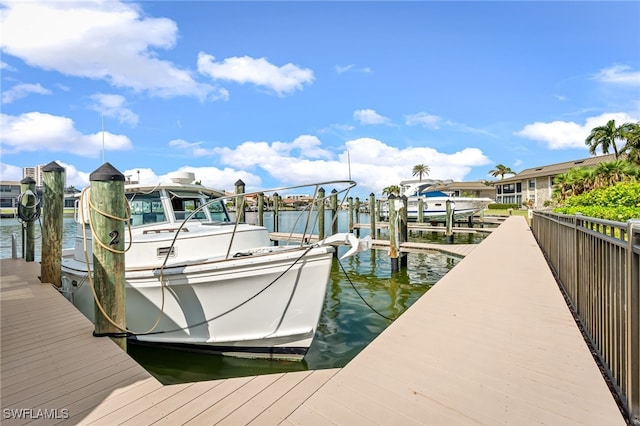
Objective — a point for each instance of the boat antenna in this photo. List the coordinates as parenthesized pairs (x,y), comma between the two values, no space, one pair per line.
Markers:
(102,119)
(349,162)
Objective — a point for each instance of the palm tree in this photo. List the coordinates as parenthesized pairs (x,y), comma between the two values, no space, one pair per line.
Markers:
(392,189)
(501,170)
(605,137)
(419,170)
(632,147)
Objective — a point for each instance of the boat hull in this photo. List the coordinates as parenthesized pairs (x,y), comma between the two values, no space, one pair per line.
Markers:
(258,306)
(435,208)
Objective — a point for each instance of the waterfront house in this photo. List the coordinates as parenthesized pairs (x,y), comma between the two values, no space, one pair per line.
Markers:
(536,183)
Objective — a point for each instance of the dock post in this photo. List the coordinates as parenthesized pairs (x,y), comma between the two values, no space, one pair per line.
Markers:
(276,213)
(52,221)
(357,208)
(334,216)
(350,203)
(449,222)
(321,194)
(393,240)
(28,214)
(240,201)
(261,209)
(107,215)
(334,212)
(420,211)
(404,228)
(372,215)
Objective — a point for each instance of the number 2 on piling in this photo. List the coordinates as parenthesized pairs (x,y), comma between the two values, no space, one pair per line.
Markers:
(114,237)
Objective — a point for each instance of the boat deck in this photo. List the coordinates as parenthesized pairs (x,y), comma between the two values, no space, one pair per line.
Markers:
(492,343)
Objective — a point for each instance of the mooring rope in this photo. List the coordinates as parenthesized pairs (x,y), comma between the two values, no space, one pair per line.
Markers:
(360,295)
(35,213)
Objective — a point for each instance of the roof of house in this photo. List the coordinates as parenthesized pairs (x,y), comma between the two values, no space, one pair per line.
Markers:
(469,186)
(554,169)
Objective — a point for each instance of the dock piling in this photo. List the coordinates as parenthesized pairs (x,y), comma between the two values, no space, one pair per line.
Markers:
(350,204)
(393,234)
(239,201)
(357,207)
(334,211)
(27,211)
(321,194)
(107,214)
(52,221)
(276,211)
(420,211)
(404,228)
(372,215)
(261,209)
(449,222)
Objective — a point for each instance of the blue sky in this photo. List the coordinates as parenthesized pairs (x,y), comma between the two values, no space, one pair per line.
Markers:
(286,93)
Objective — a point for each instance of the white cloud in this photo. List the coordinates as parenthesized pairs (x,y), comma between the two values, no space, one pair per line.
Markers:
(114,106)
(369,116)
(212,177)
(192,148)
(20,91)
(282,80)
(568,134)
(341,69)
(6,66)
(80,39)
(35,131)
(374,164)
(424,119)
(618,74)
(73,176)
(257,154)
(10,172)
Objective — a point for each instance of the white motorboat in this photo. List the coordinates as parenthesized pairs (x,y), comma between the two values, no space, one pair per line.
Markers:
(434,202)
(214,284)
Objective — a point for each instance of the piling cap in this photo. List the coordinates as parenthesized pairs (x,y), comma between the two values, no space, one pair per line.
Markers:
(239,182)
(53,167)
(27,181)
(106,173)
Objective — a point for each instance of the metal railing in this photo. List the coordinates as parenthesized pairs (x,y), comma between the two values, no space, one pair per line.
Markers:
(598,265)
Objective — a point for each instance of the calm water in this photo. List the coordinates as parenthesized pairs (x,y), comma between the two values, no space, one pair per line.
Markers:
(347,324)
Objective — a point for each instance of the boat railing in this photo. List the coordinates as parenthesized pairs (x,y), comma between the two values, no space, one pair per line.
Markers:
(304,215)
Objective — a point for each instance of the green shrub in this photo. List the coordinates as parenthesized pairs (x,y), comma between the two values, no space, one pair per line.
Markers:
(619,202)
(497,206)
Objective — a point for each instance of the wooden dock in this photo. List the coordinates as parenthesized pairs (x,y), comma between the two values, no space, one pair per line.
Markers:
(492,343)
(459,250)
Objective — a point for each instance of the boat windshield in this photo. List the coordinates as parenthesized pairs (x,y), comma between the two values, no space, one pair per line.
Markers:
(146,208)
(184,204)
(218,212)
